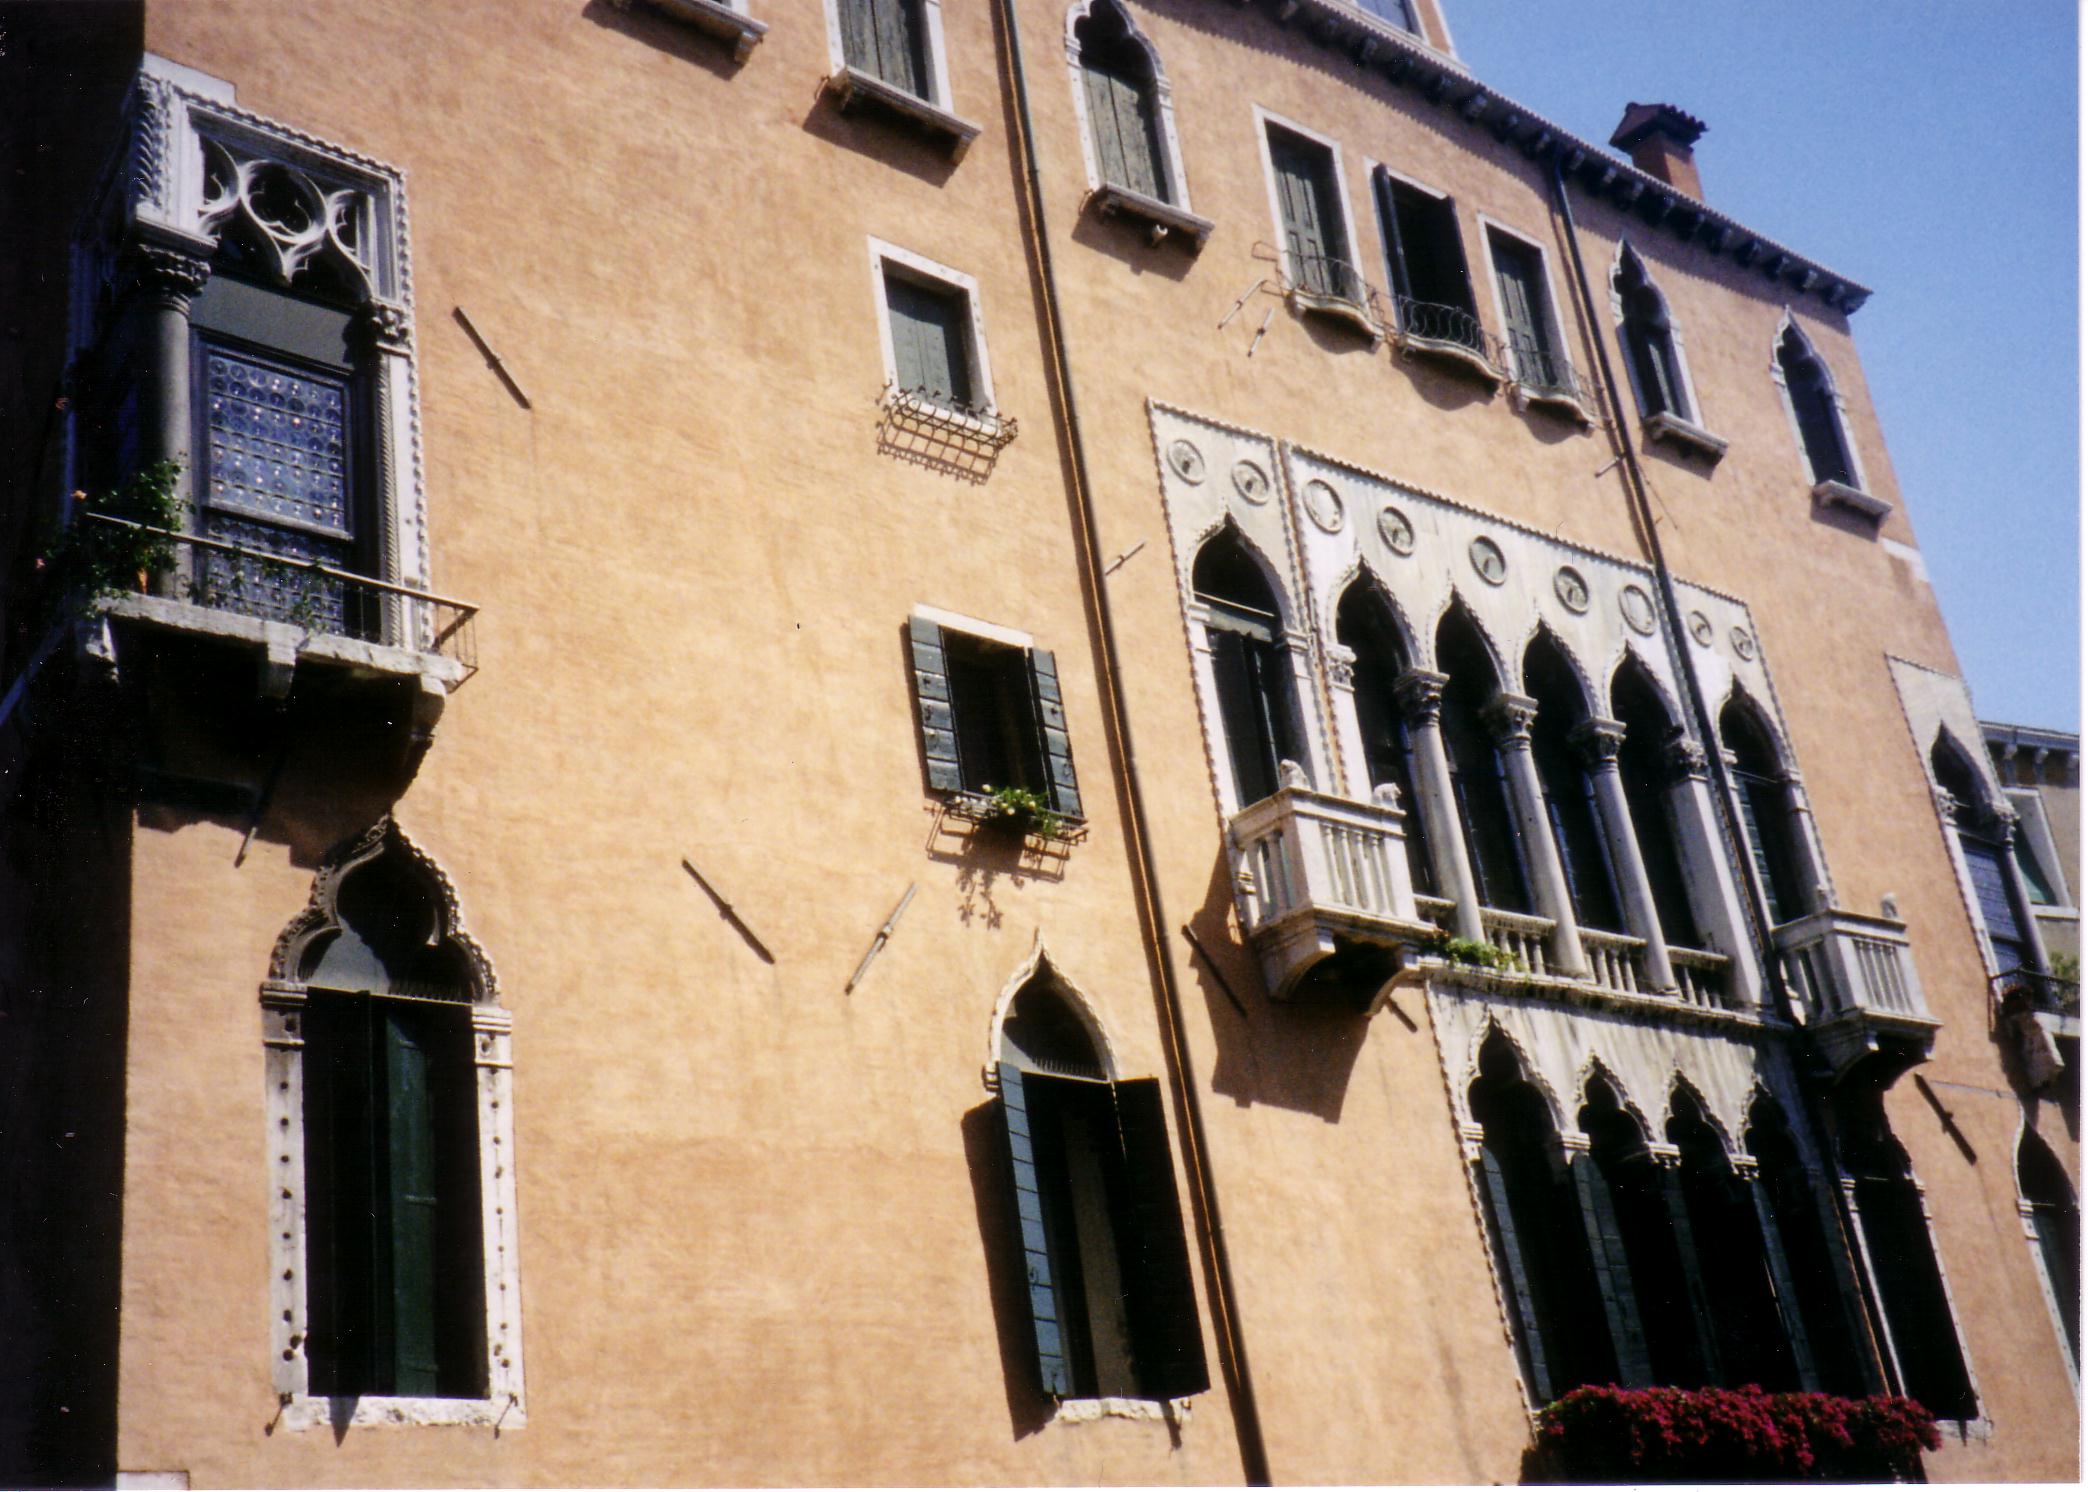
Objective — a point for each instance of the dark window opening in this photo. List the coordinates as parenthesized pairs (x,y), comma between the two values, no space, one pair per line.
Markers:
(1811,1248)
(1308,196)
(1112,1303)
(991,716)
(1723,1221)
(1257,705)
(1477,777)
(1426,256)
(2055,1219)
(1649,341)
(931,338)
(1361,625)
(1123,114)
(1765,813)
(1569,795)
(887,39)
(1643,1230)
(1819,419)
(1642,764)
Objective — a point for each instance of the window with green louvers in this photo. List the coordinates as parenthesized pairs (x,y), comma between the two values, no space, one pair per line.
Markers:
(1122,107)
(931,338)
(889,40)
(990,715)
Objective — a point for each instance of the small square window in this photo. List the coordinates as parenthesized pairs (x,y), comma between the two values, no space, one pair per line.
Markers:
(991,715)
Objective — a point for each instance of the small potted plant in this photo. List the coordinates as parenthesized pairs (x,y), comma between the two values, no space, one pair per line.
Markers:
(1020,811)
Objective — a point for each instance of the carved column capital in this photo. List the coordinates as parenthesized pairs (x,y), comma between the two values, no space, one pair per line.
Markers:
(1341,666)
(1687,759)
(1511,716)
(163,275)
(1598,741)
(1946,804)
(1420,695)
(385,326)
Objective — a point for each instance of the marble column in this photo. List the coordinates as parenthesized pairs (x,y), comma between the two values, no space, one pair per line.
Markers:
(1715,897)
(1511,716)
(1598,742)
(1420,693)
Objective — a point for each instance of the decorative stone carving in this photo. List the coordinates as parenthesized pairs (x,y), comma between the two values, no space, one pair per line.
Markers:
(1324,507)
(1186,460)
(1888,906)
(387,326)
(285,214)
(1743,643)
(1686,758)
(1572,589)
(1946,804)
(159,272)
(1488,561)
(1420,695)
(1386,795)
(1290,774)
(1395,530)
(1598,741)
(1637,608)
(1700,629)
(1251,482)
(1511,716)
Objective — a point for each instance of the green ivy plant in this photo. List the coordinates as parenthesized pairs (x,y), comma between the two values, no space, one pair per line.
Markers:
(1472,951)
(1020,809)
(89,561)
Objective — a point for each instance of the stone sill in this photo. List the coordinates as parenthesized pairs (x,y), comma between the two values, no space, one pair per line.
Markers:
(316,1411)
(1842,495)
(1668,1008)
(1677,431)
(1085,1411)
(1163,217)
(284,643)
(851,87)
(742,32)
(1453,355)
(1351,314)
(1557,401)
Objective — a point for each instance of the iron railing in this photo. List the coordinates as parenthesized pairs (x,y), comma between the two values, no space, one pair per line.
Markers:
(1549,375)
(1434,323)
(2037,993)
(1330,282)
(930,427)
(322,598)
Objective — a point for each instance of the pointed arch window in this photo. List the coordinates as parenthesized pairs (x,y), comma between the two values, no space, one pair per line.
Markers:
(1642,764)
(1812,1252)
(2052,1218)
(1752,1342)
(1765,812)
(1478,780)
(1649,342)
(1112,1303)
(1646,1241)
(1257,694)
(1987,857)
(392,1138)
(1123,110)
(1363,626)
(1569,798)
(1815,408)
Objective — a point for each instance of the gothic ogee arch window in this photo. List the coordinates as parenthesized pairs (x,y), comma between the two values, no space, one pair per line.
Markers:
(1799,1211)
(1984,839)
(1764,801)
(1363,624)
(1810,390)
(1569,802)
(2052,1219)
(392,1144)
(1257,694)
(1477,777)
(1112,1304)
(1642,764)
(1649,342)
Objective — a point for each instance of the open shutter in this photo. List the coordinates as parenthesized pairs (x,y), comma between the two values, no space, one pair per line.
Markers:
(1064,789)
(1053,1374)
(1166,1336)
(1509,1253)
(1758,848)
(410,1143)
(938,722)
(1395,238)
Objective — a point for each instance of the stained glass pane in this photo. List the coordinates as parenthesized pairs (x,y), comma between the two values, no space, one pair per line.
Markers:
(278,444)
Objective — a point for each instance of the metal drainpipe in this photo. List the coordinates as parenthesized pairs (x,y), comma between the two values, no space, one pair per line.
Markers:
(1246,1413)
(1635,492)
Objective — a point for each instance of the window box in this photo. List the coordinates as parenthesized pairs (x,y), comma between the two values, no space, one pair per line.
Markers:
(1833,494)
(1683,434)
(853,88)
(1110,200)
(1351,307)
(728,22)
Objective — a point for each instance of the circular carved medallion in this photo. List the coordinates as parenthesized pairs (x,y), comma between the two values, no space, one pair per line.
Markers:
(1488,560)
(1251,482)
(1572,589)
(1637,607)
(1394,529)
(1700,628)
(1323,506)
(1187,461)
(1743,643)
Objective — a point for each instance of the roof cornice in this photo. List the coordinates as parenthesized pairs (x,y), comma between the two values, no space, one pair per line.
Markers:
(1399,58)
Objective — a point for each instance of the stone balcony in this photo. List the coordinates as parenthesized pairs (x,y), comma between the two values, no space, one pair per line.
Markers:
(1324,894)
(1853,979)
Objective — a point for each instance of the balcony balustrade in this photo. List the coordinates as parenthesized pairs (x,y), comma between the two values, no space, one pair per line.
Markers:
(1854,981)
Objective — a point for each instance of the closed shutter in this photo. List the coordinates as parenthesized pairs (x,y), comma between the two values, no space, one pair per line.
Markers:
(1996,907)
(1120,115)
(884,38)
(1612,1270)
(1303,193)
(1063,787)
(1053,1373)
(938,723)
(1166,1336)
(1752,813)
(1522,308)
(410,1140)
(930,349)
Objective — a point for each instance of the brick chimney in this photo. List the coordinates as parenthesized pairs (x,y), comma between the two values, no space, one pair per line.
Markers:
(1660,138)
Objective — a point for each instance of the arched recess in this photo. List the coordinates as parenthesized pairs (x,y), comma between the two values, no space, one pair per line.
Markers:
(2052,1219)
(1253,667)
(1642,762)
(1647,1238)
(1367,625)
(395,1269)
(1592,879)
(1802,1214)
(1753,1342)
(1815,407)
(1478,778)
(1535,1228)
(1124,103)
(1762,793)
(1112,1306)
(1984,828)
(1653,353)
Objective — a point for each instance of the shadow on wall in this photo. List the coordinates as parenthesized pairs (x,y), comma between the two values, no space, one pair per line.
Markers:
(1296,1055)
(993,1195)
(656,31)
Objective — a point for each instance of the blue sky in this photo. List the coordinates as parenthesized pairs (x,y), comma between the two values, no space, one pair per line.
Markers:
(1930,152)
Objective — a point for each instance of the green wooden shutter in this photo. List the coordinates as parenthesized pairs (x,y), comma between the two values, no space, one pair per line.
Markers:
(1522,308)
(930,340)
(1388,197)
(938,722)
(886,39)
(859,35)
(1508,1253)
(410,1143)
(1997,910)
(1306,212)
(1063,787)
(1130,105)
(1758,849)
(1166,1335)
(1053,1373)
(1612,1271)
(1104,125)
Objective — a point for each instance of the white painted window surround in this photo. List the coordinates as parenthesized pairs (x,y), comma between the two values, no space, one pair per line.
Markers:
(1554,324)
(920,267)
(1859,498)
(1114,196)
(1694,430)
(1264,121)
(932,33)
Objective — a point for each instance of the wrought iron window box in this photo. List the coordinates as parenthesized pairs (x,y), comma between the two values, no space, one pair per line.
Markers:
(1854,981)
(982,811)
(1161,218)
(1451,336)
(736,28)
(1833,494)
(932,429)
(1684,434)
(853,88)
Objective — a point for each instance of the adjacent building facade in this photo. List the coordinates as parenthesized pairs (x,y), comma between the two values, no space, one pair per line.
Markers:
(979,741)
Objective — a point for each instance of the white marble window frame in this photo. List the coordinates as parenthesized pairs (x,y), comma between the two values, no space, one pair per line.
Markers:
(1694,429)
(1177,183)
(1859,497)
(1266,119)
(932,35)
(930,272)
